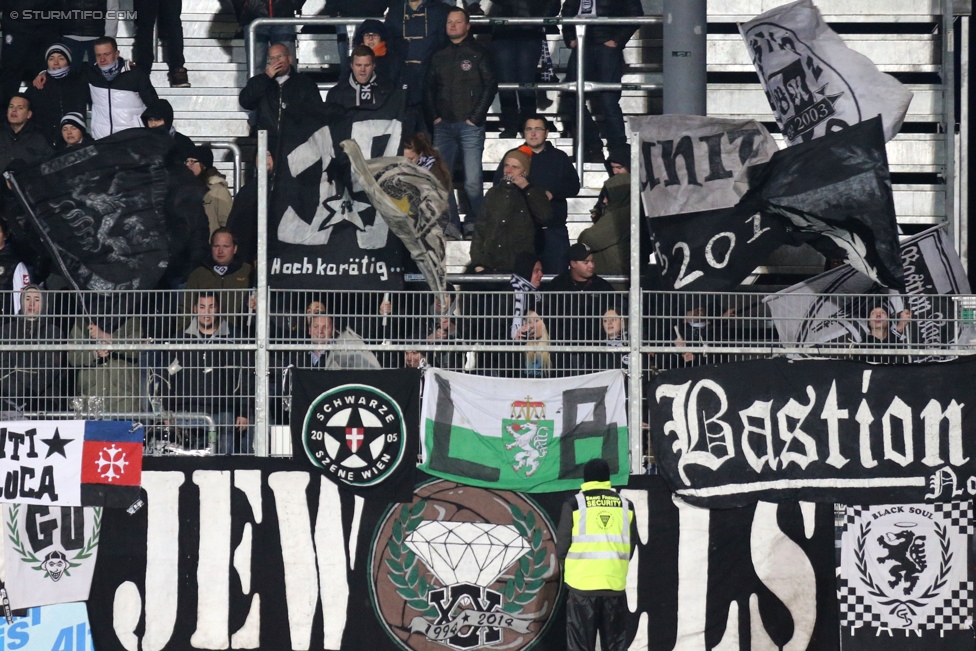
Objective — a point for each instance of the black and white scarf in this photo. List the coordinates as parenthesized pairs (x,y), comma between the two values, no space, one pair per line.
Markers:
(364,92)
(523,289)
(112,71)
(426,162)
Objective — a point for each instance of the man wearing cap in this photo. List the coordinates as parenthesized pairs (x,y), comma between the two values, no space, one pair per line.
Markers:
(73,131)
(511,213)
(66,91)
(554,174)
(595,541)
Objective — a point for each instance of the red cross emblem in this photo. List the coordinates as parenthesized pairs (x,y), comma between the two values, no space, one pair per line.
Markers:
(354,438)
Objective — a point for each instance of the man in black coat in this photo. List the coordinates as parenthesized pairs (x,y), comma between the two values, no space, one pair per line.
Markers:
(19,138)
(459,90)
(416,29)
(26,34)
(159,115)
(554,173)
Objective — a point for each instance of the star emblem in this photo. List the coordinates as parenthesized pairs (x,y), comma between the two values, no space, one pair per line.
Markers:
(353,436)
(55,444)
(345,208)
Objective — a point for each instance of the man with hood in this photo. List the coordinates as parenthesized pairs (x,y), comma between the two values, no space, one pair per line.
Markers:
(119,90)
(159,115)
(372,33)
(609,237)
(30,380)
(19,138)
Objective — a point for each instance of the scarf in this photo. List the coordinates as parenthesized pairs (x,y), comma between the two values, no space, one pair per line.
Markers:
(587,9)
(220,269)
(60,72)
(426,162)
(112,71)
(522,289)
(364,92)
(380,49)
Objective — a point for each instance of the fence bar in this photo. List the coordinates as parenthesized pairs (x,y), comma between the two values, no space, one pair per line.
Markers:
(236,153)
(261,412)
(635,334)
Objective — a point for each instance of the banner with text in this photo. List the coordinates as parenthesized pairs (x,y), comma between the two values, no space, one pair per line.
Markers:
(241,553)
(63,627)
(526,435)
(841,432)
(71,462)
(905,576)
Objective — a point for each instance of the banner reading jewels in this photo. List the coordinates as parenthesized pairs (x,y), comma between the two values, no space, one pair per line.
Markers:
(815,430)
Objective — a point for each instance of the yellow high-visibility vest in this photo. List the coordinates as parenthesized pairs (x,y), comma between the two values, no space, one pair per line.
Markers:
(600,550)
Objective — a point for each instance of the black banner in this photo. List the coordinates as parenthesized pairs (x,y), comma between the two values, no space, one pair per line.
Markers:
(359,428)
(287,561)
(825,431)
(716,249)
(100,209)
(323,231)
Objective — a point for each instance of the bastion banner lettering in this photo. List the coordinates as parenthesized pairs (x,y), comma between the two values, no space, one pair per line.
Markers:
(815,84)
(905,576)
(70,462)
(49,553)
(323,231)
(359,428)
(692,163)
(527,435)
(287,561)
(841,432)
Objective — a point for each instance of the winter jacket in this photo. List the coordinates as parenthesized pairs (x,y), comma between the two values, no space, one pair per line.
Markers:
(217,203)
(279,104)
(344,96)
(187,224)
(233,303)
(461,83)
(243,220)
(21,25)
(28,144)
(248,10)
(522,9)
(69,94)
(31,380)
(507,224)
(552,171)
(182,146)
(118,104)
(356,8)
(416,35)
(115,378)
(604,9)
(609,237)
(78,25)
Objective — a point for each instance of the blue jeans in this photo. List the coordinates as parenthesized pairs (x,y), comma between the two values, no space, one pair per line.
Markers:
(448,137)
(78,51)
(265,37)
(516,61)
(227,434)
(601,64)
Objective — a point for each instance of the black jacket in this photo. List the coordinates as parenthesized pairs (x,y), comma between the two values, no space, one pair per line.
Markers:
(522,9)
(461,83)
(248,10)
(31,380)
(29,145)
(552,171)
(604,9)
(78,24)
(277,104)
(356,8)
(343,96)
(416,36)
(69,94)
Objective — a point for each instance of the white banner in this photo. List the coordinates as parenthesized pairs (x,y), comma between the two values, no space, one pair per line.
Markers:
(815,84)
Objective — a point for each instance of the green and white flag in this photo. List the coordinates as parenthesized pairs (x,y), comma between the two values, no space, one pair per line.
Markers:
(531,436)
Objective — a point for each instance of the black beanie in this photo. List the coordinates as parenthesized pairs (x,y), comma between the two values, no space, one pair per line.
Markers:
(596,470)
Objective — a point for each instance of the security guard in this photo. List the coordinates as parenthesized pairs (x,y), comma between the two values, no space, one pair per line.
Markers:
(595,541)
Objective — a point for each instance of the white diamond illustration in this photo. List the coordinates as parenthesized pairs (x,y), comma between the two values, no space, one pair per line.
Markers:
(467,552)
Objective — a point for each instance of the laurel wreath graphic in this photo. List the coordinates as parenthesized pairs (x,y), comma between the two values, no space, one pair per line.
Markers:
(28,556)
(878,592)
(404,568)
(532,567)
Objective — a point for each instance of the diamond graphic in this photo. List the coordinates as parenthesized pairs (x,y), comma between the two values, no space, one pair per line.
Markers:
(467,552)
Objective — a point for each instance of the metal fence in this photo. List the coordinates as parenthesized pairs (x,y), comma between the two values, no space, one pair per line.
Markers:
(186,363)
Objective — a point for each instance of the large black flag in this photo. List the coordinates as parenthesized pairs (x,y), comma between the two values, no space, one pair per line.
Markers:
(359,428)
(714,250)
(323,231)
(99,210)
(837,190)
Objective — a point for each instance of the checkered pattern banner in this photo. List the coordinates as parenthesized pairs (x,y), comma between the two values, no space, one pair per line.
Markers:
(904,575)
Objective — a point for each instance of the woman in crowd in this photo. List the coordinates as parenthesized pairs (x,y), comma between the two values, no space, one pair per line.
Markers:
(217,203)
(510,215)
(66,91)
(418,150)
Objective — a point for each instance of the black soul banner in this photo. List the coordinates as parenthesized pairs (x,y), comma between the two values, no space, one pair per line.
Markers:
(828,431)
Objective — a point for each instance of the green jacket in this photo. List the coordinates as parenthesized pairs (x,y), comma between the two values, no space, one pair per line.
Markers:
(507,225)
(609,237)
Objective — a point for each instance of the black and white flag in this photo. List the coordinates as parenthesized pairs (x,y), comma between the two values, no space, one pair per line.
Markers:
(815,84)
(729,434)
(905,577)
(99,210)
(693,163)
(828,309)
(836,192)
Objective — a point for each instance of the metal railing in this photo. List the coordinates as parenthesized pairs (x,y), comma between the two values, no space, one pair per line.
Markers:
(236,157)
(580,86)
